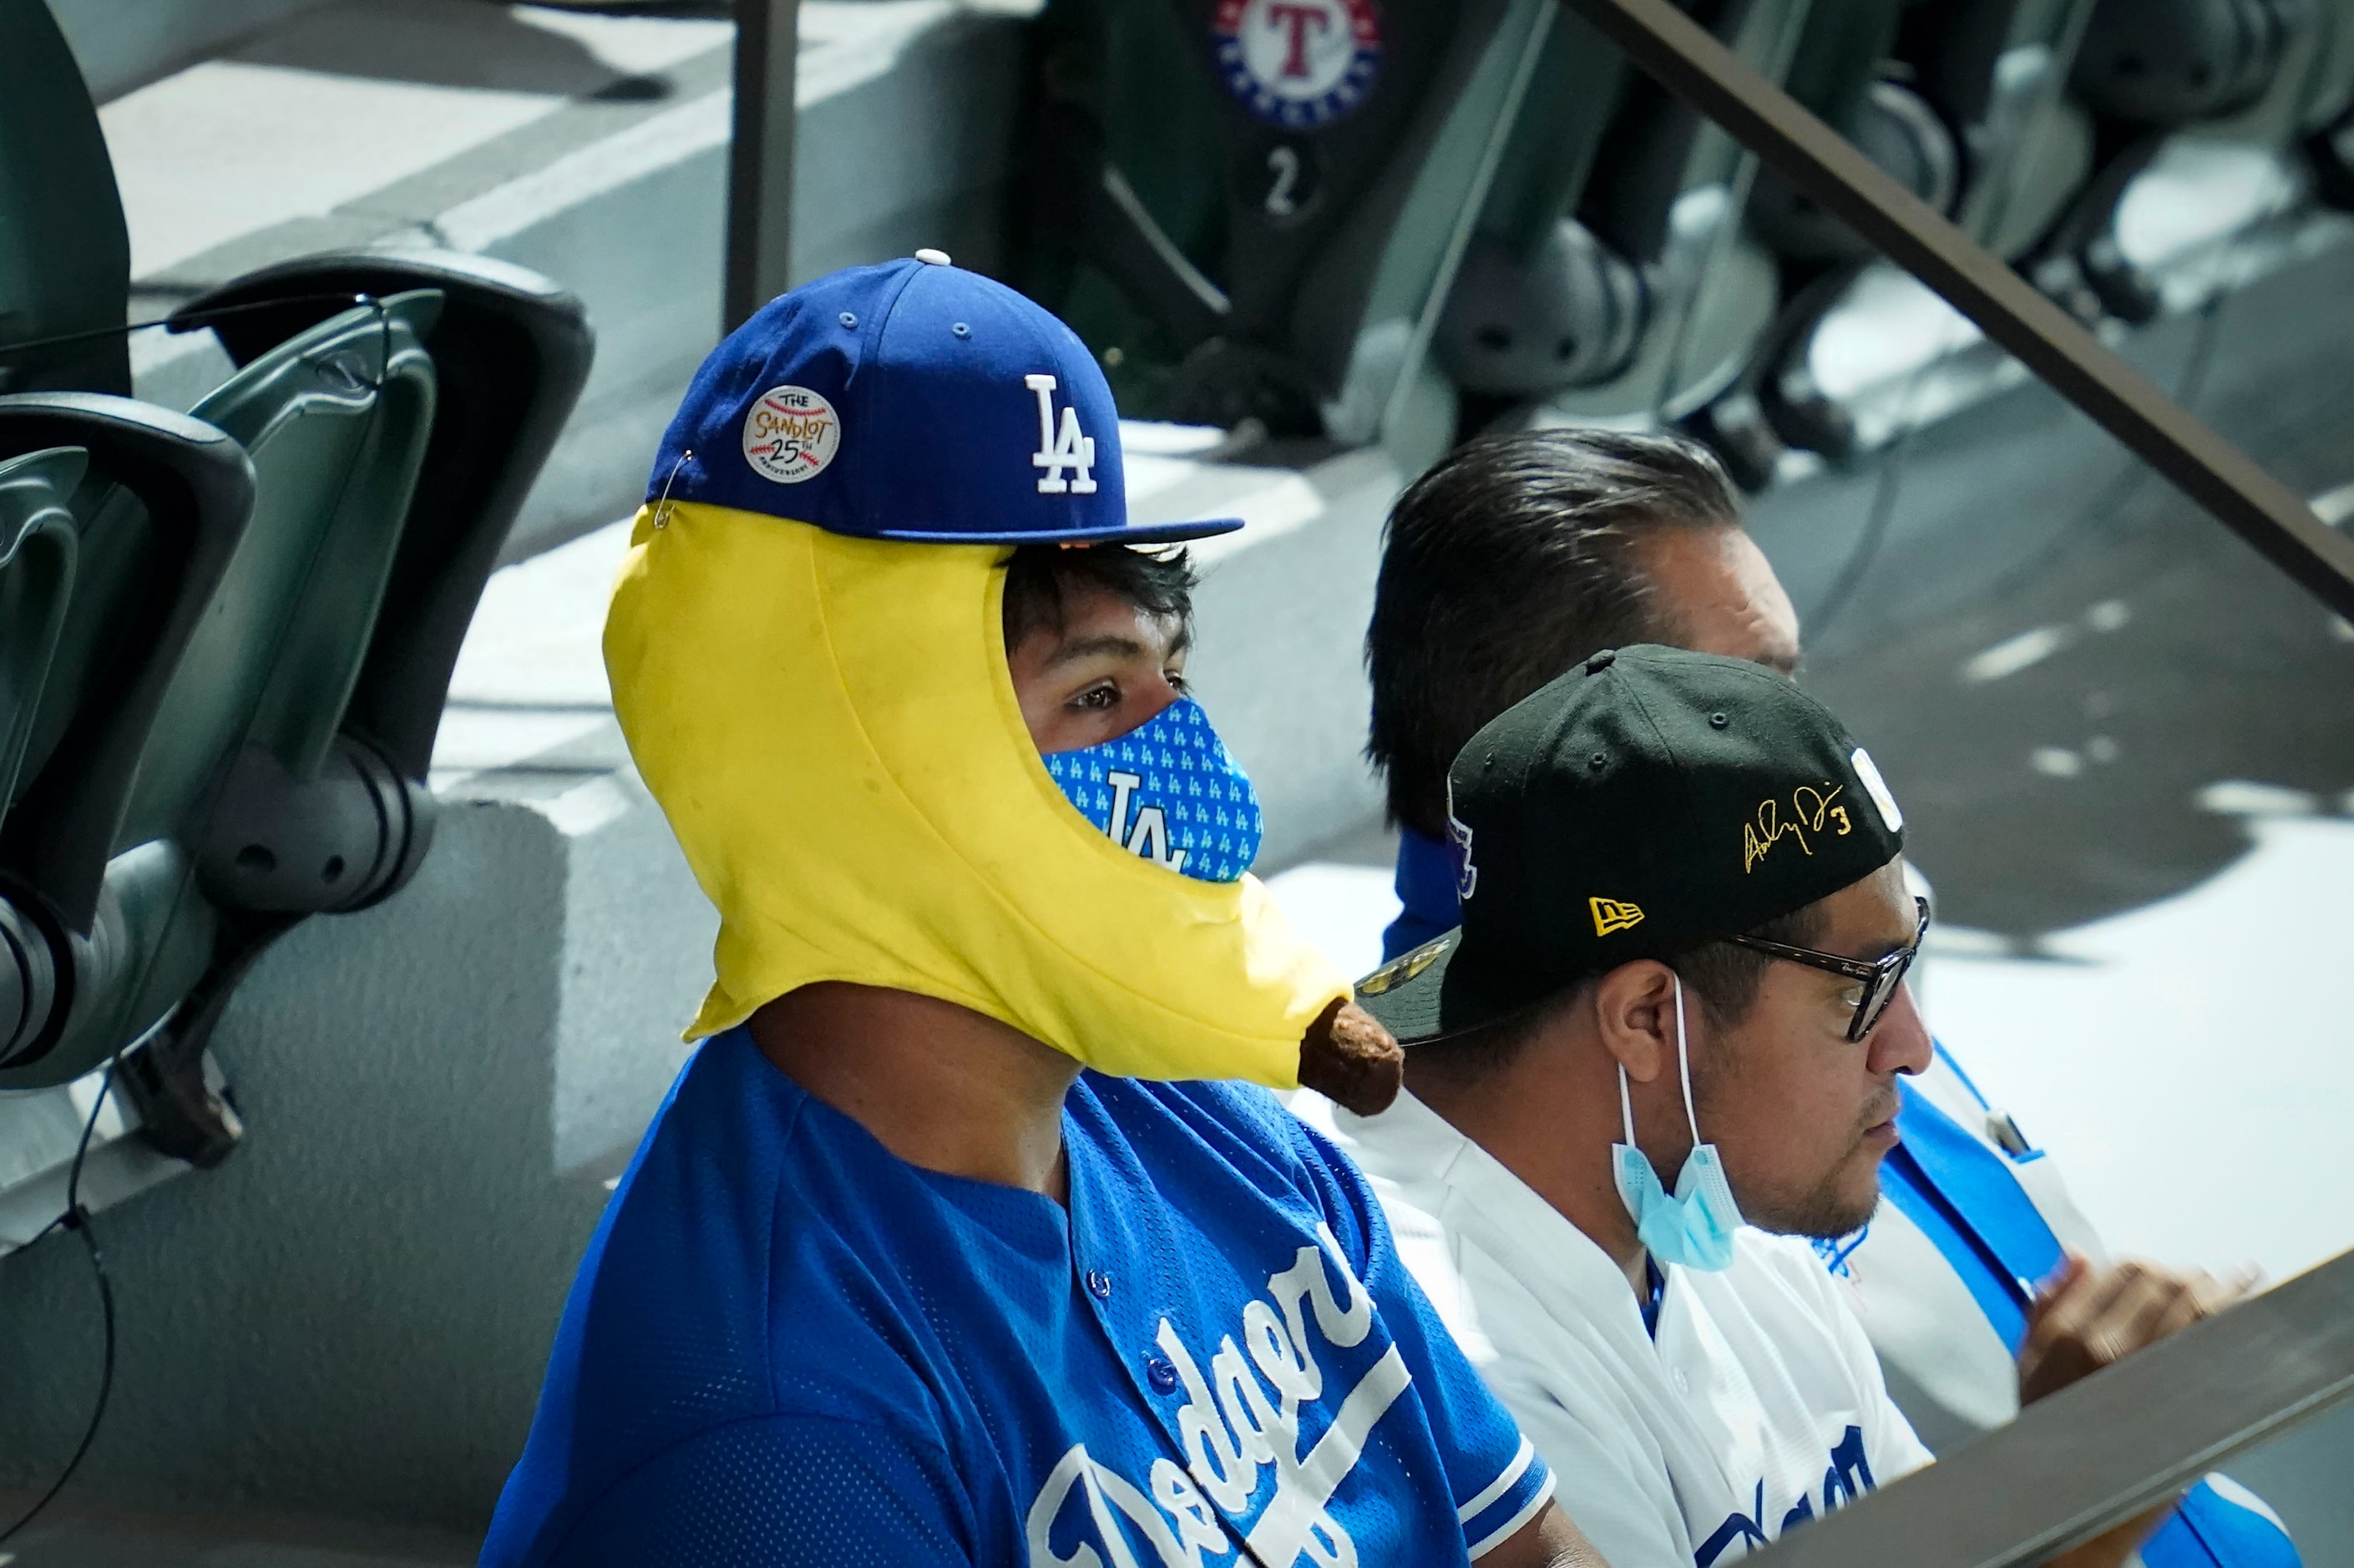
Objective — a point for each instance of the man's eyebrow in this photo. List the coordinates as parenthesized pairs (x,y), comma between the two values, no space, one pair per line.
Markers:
(1117,645)
(1092,647)
(1879,950)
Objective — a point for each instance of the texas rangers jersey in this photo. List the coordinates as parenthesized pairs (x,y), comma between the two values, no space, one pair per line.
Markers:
(787,1346)
(1758,1405)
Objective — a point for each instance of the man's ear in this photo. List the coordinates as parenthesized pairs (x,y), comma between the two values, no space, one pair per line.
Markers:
(1634,1011)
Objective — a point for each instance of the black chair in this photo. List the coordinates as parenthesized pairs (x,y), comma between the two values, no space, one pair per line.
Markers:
(235,719)
(157,519)
(65,255)
(1610,278)
(2148,70)
(276,763)
(1250,225)
(1963,103)
(39,540)
(159,914)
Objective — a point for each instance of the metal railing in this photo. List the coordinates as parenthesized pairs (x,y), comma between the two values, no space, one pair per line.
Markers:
(2119,1443)
(2213,473)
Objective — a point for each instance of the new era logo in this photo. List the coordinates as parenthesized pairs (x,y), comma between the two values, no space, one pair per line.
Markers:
(1610,914)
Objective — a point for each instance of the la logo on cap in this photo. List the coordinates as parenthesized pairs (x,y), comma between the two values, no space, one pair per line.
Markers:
(1068,446)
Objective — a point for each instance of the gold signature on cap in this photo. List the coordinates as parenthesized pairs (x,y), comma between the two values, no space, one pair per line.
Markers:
(1809,809)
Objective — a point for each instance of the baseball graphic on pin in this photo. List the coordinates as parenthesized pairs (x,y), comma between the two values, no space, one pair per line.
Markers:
(791,433)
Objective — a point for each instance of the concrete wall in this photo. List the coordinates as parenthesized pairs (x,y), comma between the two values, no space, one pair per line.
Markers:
(907,114)
(353,1313)
(902,143)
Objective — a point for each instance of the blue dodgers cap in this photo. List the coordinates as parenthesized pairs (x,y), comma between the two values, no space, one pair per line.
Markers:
(911,400)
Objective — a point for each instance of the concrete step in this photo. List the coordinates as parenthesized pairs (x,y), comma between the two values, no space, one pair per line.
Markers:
(71,1533)
(589,147)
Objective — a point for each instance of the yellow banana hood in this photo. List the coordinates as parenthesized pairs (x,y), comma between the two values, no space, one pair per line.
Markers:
(829,724)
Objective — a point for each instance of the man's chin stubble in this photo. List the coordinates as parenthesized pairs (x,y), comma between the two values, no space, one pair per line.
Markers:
(1823,1214)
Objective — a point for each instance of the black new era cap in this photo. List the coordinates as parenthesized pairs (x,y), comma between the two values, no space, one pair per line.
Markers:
(1648,801)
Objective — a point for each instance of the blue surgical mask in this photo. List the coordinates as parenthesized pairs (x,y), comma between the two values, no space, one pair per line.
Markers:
(1166,790)
(1694,1227)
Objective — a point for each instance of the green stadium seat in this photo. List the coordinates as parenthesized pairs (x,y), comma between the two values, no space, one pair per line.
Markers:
(1610,278)
(1234,254)
(38,541)
(226,720)
(157,518)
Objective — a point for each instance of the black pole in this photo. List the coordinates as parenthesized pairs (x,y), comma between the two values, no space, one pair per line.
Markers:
(760,157)
(1702,72)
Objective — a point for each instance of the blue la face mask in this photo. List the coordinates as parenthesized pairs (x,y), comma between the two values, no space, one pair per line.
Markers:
(1694,1227)
(1168,791)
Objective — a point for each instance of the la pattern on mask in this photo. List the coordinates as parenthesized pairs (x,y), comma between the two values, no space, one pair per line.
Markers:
(1168,791)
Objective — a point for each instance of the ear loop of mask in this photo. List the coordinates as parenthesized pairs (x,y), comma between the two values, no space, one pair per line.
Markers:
(1695,1227)
(1684,1072)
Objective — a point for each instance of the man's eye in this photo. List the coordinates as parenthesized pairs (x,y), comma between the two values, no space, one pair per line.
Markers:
(1176,679)
(1098,699)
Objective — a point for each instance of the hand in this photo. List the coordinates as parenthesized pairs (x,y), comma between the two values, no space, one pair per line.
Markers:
(2085,1318)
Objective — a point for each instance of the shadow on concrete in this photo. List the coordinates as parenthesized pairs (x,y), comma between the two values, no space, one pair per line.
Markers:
(2052,654)
(708,10)
(449,43)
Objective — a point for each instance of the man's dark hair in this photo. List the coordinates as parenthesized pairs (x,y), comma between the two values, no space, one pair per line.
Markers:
(1720,978)
(1039,577)
(1507,562)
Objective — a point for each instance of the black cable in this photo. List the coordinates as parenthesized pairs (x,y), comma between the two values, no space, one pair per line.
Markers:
(2133,473)
(77,1218)
(2187,392)
(2111,498)
(1866,549)
(188,321)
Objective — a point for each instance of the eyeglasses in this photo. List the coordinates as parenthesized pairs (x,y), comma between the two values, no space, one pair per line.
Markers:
(1880,977)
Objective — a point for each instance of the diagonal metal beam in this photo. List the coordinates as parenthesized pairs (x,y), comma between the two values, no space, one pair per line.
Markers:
(2213,473)
(2111,1447)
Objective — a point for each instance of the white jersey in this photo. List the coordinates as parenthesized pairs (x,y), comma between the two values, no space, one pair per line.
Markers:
(1758,1405)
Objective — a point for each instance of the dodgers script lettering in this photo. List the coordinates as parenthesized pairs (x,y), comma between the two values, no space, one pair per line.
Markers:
(1241,1417)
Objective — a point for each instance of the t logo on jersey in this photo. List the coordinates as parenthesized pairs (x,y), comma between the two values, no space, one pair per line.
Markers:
(1061,446)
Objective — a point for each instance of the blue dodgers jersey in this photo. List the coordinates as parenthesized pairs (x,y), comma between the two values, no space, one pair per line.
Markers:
(787,1346)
